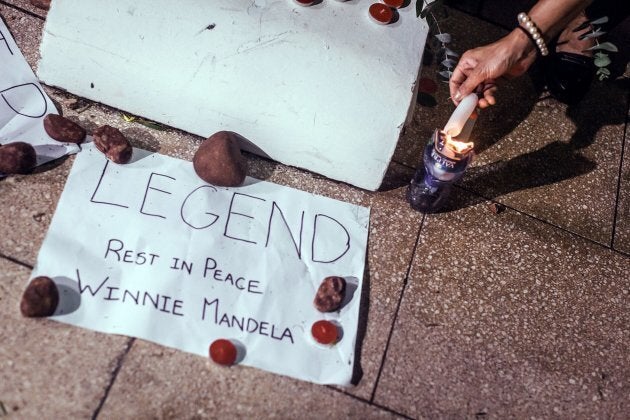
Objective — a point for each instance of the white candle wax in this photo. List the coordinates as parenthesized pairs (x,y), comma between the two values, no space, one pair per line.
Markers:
(461,114)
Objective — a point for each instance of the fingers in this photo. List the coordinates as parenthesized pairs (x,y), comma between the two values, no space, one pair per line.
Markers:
(472,75)
(474,81)
(457,78)
(488,95)
(488,98)
(464,81)
(460,74)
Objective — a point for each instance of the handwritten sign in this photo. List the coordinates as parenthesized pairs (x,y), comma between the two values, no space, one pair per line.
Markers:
(151,251)
(23,103)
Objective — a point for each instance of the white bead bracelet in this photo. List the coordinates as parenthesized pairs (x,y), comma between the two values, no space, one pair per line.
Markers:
(528,26)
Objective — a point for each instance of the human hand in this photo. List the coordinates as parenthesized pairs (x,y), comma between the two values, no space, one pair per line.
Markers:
(480,68)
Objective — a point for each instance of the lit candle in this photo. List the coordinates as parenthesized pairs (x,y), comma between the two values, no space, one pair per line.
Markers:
(381,13)
(461,114)
(394,3)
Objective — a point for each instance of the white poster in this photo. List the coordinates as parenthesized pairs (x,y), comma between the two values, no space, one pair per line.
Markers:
(149,250)
(24,104)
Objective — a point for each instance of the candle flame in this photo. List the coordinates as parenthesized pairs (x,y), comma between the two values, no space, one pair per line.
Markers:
(457,146)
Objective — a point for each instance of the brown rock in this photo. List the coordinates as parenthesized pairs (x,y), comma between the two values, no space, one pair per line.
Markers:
(17,158)
(113,144)
(330,294)
(218,160)
(40,298)
(42,4)
(64,130)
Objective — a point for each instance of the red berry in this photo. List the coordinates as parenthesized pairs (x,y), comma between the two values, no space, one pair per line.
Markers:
(223,352)
(325,332)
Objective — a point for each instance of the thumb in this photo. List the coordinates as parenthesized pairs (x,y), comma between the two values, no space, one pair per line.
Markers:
(473,80)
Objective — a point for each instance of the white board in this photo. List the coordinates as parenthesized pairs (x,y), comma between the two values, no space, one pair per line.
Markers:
(322,87)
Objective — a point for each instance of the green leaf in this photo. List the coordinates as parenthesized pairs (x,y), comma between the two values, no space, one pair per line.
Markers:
(448,63)
(147,123)
(597,32)
(588,23)
(428,7)
(419,4)
(151,124)
(444,38)
(450,53)
(607,46)
(602,60)
(445,75)
(599,21)
(603,71)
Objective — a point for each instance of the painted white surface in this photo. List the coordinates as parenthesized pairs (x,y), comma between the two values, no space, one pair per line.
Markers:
(322,87)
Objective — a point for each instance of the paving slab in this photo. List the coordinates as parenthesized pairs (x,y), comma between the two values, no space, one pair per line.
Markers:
(555,162)
(31,199)
(26,30)
(26,7)
(621,240)
(561,164)
(507,317)
(49,370)
(29,202)
(156,382)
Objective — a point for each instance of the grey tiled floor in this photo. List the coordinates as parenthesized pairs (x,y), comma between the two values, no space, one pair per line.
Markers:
(466,313)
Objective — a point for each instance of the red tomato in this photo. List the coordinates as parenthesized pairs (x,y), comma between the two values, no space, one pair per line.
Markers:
(325,332)
(223,352)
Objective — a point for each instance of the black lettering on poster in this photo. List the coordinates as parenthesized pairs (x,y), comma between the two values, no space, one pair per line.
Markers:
(297,244)
(16,96)
(98,185)
(6,43)
(149,187)
(184,210)
(317,223)
(232,212)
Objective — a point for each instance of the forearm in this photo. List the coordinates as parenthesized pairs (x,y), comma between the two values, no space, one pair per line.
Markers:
(512,55)
(552,16)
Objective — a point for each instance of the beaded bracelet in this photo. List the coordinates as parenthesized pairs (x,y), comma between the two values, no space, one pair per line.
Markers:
(532,31)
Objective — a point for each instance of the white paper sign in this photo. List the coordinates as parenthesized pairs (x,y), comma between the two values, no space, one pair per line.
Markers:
(24,104)
(151,251)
